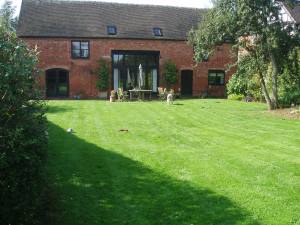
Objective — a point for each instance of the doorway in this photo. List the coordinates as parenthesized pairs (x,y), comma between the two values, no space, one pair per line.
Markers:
(57,83)
(187,82)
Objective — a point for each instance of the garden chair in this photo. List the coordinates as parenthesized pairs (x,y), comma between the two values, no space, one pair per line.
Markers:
(162,94)
(122,95)
(125,95)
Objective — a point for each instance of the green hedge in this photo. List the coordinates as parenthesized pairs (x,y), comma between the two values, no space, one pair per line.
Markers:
(23,135)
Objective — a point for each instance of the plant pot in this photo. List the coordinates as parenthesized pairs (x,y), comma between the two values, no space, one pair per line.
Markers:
(112,99)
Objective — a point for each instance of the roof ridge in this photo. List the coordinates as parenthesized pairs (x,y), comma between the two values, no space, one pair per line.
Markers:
(120,3)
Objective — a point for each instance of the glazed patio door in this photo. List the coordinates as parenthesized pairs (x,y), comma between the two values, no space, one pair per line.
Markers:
(126,69)
(57,83)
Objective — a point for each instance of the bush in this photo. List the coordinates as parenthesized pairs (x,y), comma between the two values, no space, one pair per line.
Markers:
(237,85)
(22,133)
(103,75)
(289,96)
(244,84)
(289,81)
(236,97)
(170,73)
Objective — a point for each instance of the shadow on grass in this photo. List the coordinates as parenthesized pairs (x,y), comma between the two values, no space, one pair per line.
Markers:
(58,109)
(98,186)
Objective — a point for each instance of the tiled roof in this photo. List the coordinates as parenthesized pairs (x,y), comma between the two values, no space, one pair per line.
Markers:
(62,18)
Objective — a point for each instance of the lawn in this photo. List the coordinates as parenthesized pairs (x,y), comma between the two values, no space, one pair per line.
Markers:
(196,162)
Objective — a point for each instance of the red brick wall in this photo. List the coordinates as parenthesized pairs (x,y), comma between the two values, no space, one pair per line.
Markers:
(56,53)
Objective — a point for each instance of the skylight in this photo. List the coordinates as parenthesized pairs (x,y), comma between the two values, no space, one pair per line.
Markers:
(157,32)
(111,30)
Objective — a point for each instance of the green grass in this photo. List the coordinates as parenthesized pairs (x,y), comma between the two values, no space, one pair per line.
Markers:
(195,162)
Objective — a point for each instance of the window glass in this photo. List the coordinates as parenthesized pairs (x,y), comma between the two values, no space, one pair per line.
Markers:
(76,53)
(84,45)
(84,53)
(76,45)
(154,80)
(216,77)
(116,58)
(127,64)
(130,60)
(220,78)
(80,49)
(111,30)
(116,79)
(157,32)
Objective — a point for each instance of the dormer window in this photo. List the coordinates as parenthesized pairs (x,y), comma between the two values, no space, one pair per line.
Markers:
(111,30)
(157,32)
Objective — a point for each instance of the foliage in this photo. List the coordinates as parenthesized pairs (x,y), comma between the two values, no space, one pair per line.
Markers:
(22,132)
(103,75)
(236,97)
(237,85)
(6,16)
(170,73)
(254,26)
(245,82)
(289,84)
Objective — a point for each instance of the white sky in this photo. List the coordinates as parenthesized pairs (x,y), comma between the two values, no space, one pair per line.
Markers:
(182,3)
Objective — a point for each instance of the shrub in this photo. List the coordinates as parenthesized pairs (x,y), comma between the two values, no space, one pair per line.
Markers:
(289,81)
(244,84)
(236,97)
(237,85)
(22,133)
(170,73)
(103,75)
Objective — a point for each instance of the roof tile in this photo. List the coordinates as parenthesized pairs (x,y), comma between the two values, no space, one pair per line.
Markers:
(61,18)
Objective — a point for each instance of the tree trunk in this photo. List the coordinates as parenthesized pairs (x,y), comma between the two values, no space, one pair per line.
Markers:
(265,91)
(274,81)
(263,85)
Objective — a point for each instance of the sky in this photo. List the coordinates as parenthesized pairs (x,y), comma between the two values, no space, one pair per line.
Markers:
(181,3)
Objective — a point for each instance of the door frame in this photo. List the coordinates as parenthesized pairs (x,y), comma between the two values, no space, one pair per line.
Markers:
(57,70)
(192,82)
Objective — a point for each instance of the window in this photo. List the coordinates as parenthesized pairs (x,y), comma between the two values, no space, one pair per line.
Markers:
(80,49)
(127,73)
(157,32)
(216,77)
(111,30)
(205,57)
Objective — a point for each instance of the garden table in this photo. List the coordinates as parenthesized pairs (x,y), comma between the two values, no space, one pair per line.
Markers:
(140,93)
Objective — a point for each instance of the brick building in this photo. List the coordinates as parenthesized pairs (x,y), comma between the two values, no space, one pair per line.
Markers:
(72,36)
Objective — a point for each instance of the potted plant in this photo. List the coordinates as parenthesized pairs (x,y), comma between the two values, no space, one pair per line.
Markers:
(170,73)
(112,97)
(103,78)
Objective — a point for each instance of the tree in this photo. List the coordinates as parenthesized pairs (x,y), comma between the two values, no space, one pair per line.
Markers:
(23,136)
(170,73)
(252,25)
(6,16)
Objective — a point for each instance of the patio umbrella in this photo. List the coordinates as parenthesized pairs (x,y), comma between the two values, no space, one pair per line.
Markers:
(141,80)
(129,81)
